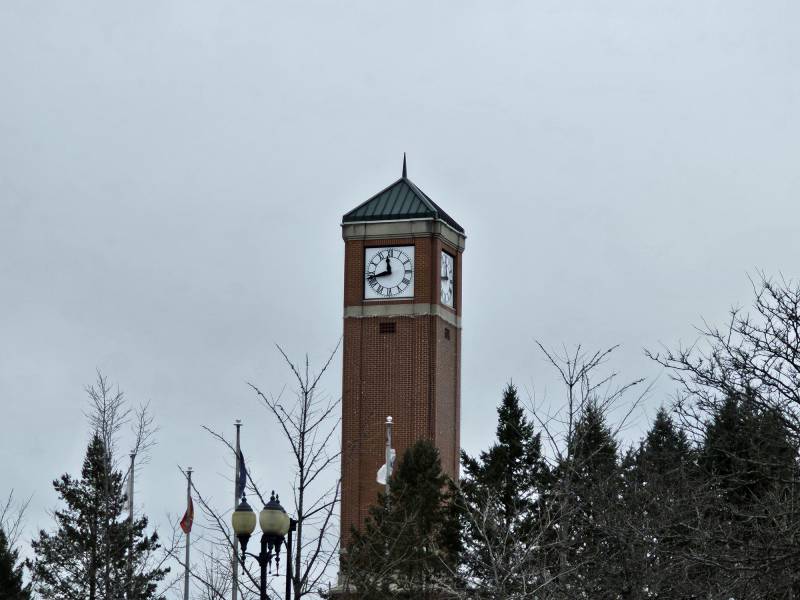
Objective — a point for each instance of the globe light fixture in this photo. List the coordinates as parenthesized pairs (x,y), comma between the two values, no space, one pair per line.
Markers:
(244,522)
(273,518)
(275,525)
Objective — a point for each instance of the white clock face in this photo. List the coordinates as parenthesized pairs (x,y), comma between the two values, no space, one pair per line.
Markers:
(389,272)
(447,280)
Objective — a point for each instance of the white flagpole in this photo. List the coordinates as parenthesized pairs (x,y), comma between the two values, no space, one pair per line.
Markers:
(130,526)
(235,561)
(188,534)
(388,453)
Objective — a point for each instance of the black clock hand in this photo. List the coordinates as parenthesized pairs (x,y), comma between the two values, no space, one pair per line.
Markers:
(388,270)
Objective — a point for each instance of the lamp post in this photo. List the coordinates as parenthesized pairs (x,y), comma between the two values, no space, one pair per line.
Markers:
(292,528)
(275,524)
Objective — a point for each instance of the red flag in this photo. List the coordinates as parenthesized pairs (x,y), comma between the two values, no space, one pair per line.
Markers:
(188,517)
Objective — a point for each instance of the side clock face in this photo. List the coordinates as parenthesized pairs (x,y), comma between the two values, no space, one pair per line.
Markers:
(389,272)
(447,280)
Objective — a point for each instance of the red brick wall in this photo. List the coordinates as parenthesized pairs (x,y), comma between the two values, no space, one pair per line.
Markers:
(412,375)
(447,408)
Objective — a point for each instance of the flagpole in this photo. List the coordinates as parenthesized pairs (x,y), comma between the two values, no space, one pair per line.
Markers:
(188,534)
(130,527)
(235,560)
(388,454)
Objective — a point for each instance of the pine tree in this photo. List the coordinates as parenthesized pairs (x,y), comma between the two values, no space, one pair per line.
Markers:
(740,389)
(513,469)
(747,452)
(410,541)
(592,449)
(749,523)
(657,499)
(86,557)
(586,494)
(499,501)
(11,584)
(664,450)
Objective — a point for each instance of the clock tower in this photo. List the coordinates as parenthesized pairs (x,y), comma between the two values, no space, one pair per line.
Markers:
(402,337)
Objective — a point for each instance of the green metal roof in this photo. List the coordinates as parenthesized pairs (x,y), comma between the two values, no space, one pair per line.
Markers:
(401,200)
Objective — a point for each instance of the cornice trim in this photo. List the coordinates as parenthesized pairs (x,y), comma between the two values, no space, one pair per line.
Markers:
(417,309)
(405,228)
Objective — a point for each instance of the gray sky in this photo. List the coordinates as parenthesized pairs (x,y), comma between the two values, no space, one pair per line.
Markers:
(172,177)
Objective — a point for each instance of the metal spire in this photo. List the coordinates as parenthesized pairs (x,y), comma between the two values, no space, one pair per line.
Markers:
(405,171)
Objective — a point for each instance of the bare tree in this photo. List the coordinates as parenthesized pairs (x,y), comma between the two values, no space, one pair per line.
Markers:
(514,564)
(581,504)
(310,426)
(109,414)
(583,384)
(309,422)
(12,518)
(756,353)
(745,376)
(211,575)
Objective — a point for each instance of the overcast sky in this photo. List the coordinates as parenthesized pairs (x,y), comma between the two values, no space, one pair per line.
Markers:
(173,175)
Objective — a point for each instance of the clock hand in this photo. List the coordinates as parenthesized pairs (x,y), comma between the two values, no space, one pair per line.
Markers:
(388,270)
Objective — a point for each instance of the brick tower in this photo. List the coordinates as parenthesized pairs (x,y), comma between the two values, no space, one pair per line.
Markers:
(402,337)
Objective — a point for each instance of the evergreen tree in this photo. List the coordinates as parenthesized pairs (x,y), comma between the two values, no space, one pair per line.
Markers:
(592,452)
(658,502)
(658,476)
(747,451)
(664,450)
(499,501)
(513,469)
(410,541)
(86,558)
(591,551)
(747,503)
(11,585)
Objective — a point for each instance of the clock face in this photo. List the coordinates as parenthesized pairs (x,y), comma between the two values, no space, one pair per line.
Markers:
(447,280)
(389,272)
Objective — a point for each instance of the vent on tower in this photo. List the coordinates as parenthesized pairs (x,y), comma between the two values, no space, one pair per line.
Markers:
(447,333)
(386,327)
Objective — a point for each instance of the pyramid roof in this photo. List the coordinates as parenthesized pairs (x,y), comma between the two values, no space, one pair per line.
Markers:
(401,200)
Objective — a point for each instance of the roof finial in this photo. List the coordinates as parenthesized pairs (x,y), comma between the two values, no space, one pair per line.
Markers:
(405,171)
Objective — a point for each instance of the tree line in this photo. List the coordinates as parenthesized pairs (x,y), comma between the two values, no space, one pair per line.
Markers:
(705,505)
(100,548)
(97,550)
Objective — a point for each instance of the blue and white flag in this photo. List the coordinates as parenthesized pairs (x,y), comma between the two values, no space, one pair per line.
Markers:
(241,476)
(386,470)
